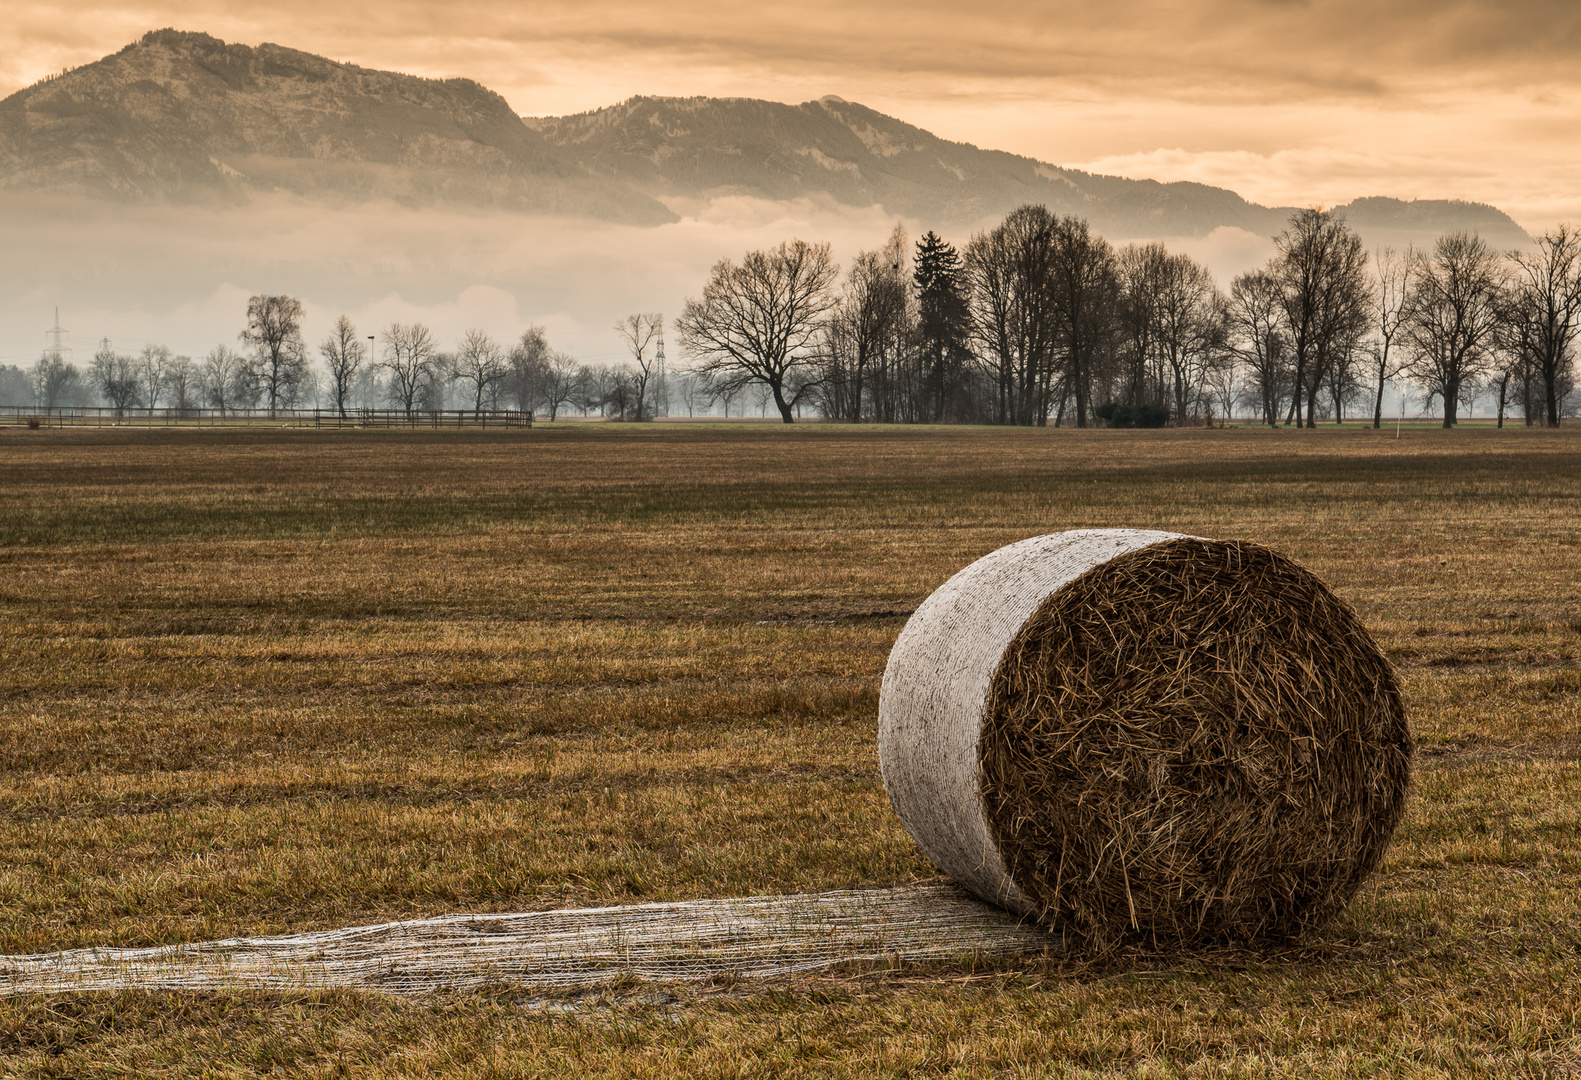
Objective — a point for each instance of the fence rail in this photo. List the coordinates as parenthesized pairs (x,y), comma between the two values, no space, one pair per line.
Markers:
(104,416)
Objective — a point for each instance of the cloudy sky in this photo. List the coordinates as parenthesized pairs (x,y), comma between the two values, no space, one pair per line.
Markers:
(1285,101)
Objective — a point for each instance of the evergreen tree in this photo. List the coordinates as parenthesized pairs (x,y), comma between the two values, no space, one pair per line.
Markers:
(943,318)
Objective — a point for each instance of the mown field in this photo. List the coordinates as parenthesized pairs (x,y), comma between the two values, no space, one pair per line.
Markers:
(264,681)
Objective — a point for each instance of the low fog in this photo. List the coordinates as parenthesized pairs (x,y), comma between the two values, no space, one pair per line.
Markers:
(181,276)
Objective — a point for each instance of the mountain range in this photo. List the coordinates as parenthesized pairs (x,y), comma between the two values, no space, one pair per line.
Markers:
(184,118)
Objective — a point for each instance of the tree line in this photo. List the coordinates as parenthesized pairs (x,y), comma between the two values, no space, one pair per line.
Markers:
(403,367)
(1037,321)
(1042,321)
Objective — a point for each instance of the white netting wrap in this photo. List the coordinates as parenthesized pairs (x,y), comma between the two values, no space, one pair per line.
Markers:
(694,939)
(935,691)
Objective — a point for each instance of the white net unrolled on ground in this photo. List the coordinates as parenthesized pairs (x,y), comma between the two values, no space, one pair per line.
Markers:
(694,939)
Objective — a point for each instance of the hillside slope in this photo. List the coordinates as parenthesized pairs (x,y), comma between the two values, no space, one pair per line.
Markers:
(703,147)
(187,118)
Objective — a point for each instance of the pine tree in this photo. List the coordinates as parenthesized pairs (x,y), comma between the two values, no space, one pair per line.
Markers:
(943,317)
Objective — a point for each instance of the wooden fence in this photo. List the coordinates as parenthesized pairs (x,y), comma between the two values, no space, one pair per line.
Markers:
(104,416)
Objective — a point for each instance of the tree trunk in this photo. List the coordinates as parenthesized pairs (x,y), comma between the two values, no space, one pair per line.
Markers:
(1300,387)
(780,403)
(1377,406)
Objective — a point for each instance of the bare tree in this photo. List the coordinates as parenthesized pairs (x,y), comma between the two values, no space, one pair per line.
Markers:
(1454,316)
(1140,269)
(1391,314)
(724,392)
(1323,267)
(433,391)
(1548,284)
(16,385)
(115,376)
(529,363)
(181,380)
(1512,359)
(1515,351)
(52,379)
(560,383)
(1256,313)
(224,379)
(480,363)
(1013,319)
(861,327)
(151,365)
(411,358)
(1222,385)
(274,334)
(693,391)
(370,388)
(594,385)
(343,353)
(1346,383)
(1085,289)
(639,331)
(619,399)
(1189,317)
(757,321)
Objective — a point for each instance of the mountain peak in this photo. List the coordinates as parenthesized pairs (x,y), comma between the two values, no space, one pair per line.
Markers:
(185,117)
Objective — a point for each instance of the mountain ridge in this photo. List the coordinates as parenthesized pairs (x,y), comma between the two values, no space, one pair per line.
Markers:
(183,117)
(861,157)
(859,153)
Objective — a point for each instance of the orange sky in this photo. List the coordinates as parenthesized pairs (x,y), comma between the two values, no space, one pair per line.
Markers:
(1285,101)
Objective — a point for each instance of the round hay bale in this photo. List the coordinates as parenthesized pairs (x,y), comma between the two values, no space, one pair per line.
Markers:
(1135,735)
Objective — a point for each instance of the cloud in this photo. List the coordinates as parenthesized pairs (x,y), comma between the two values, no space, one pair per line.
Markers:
(1513,149)
(546,54)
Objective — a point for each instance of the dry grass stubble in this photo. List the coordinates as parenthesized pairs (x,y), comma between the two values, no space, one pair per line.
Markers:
(264,681)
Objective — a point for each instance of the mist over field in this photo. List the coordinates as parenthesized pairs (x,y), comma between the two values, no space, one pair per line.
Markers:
(181,276)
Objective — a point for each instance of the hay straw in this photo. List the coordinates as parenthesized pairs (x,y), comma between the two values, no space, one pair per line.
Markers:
(1187,741)
(751,937)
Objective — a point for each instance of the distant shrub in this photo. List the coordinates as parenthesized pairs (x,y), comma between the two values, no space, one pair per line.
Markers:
(1117,415)
(33,423)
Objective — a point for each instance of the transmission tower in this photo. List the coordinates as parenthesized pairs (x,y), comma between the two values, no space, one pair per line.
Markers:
(57,349)
(661,393)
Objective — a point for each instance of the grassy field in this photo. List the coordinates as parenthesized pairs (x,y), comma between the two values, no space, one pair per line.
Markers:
(259,681)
